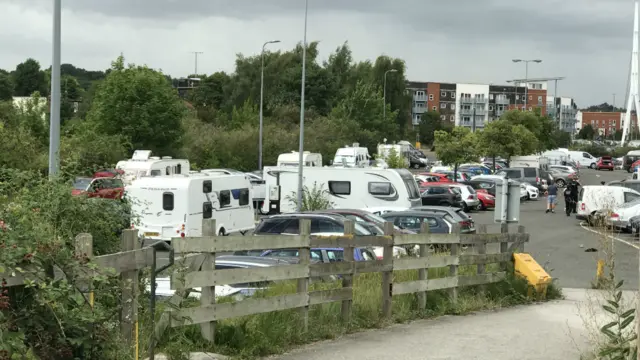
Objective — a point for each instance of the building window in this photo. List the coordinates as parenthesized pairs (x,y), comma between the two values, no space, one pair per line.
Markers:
(418,117)
(614,123)
(517,97)
(443,94)
(434,108)
(539,99)
(419,93)
(529,108)
(443,117)
(490,96)
(453,95)
(490,108)
(420,104)
(452,118)
(443,106)
(430,97)
(466,119)
(530,97)
(453,106)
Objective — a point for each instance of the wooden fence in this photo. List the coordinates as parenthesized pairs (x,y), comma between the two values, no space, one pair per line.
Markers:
(202,273)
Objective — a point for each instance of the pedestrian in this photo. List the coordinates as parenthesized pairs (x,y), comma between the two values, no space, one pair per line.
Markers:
(552,192)
(568,201)
(602,183)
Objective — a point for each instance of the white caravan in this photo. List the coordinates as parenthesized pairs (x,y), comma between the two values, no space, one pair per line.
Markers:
(143,164)
(536,161)
(402,151)
(258,188)
(352,188)
(293,159)
(174,206)
(352,156)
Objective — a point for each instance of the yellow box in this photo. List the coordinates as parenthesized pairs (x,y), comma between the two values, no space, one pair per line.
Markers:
(528,268)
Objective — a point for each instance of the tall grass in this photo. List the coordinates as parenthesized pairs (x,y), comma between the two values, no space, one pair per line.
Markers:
(271,333)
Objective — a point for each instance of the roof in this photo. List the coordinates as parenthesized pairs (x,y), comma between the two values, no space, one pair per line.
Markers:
(305,215)
(345,211)
(409,213)
(250,261)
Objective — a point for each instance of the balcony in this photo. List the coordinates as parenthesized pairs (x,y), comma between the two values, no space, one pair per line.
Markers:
(419,97)
(469,112)
(502,101)
(420,109)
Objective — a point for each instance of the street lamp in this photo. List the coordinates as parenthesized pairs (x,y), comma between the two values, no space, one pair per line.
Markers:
(526,76)
(261,97)
(54,126)
(304,73)
(384,93)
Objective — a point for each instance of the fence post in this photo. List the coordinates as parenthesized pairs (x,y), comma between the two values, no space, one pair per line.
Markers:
(129,300)
(453,269)
(84,248)
(482,250)
(423,273)
(208,293)
(347,280)
(504,246)
(304,254)
(521,230)
(387,276)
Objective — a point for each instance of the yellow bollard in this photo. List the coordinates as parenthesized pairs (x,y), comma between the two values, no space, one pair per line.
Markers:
(137,342)
(600,270)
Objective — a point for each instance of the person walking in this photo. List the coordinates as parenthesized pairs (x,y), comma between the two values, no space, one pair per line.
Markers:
(568,201)
(552,193)
(575,191)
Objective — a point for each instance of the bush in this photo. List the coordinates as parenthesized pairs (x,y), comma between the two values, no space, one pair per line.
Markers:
(316,198)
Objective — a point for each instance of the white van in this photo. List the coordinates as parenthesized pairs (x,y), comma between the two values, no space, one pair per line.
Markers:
(583,159)
(293,159)
(345,187)
(143,164)
(175,205)
(352,156)
(593,198)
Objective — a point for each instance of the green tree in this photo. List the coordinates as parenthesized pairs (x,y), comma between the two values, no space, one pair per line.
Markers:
(503,138)
(456,147)
(588,133)
(430,122)
(29,78)
(139,103)
(541,126)
(6,87)
(394,160)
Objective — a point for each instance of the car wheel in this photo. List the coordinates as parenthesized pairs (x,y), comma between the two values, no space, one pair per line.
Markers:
(465,207)
(416,166)
(593,165)
(560,183)
(222,232)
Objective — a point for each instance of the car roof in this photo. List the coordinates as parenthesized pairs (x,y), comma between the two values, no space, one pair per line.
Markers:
(410,213)
(344,211)
(249,261)
(303,215)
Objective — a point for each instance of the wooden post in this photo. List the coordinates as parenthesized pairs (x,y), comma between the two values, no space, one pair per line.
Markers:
(84,248)
(347,280)
(129,312)
(481,250)
(521,230)
(423,273)
(453,269)
(504,246)
(208,293)
(303,284)
(387,276)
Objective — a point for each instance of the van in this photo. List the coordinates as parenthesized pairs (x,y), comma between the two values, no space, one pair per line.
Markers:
(143,164)
(531,175)
(293,159)
(593,198)
(583,159)
(631,157)
(352,156)
(174,206)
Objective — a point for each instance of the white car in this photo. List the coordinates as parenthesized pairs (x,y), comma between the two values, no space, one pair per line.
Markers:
(532,191)
(492,177)
(469,197)
(379,210)
(523,192)
(619,216)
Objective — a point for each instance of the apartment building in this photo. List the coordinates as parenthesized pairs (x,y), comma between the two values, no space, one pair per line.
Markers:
(564,111)
(473,105)
(606,123)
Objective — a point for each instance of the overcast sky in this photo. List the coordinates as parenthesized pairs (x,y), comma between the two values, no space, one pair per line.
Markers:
(587,41)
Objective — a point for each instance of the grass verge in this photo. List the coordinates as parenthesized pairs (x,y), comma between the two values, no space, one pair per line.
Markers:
(258,335)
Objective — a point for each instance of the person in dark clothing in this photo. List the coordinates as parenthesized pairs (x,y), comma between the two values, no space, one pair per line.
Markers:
(568,201)
(574,190)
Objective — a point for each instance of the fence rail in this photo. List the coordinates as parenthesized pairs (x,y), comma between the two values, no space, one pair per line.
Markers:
(207,277)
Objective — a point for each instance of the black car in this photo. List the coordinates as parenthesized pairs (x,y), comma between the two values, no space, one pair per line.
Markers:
(412,220)
(452,215)
(487,184)
(443,195)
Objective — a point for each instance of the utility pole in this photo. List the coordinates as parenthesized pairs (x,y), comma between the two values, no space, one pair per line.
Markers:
(526,77)
(304,75)
(473,120)
(384,93)
(613,104)
(196,53)
(54,126)
(261,99)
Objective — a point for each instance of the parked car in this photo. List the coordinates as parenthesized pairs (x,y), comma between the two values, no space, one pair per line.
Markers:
(634,222)
(417,162)
(596,198)
(443,195)
(364,216)
(453,216)
(102,187)
(561,177)
(566,168)
(413,219)
(460,176)
(619,217)
(379,210)
(323,255)
(631,184)
(486,185)
(469,197)
(531,175)
(487,201)
(439,177)
(532,191)
(605,163)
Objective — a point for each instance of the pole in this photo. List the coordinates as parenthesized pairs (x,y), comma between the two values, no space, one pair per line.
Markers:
(526,84)
(384,97)
(304,73)
(555,110)
(54,127)
(196,53)
(473,120)
(261,104)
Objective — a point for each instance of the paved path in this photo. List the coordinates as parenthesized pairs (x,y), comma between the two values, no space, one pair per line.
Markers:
(545,331)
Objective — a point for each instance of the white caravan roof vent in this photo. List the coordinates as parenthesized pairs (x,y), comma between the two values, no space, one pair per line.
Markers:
(166,158)
(154,158)
(141,155)
(356,144)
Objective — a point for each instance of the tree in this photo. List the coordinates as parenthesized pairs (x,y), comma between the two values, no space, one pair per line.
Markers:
(456,147)
(541,126)
(29,78)
(587,133)
(503,138)
(140,104)
(6,87)
(430,122)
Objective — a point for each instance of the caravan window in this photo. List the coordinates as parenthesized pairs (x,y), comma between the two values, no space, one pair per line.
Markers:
(380,188)
(156,173)
(225,198)
(168,170)
(179,169)
(244,197)
(206,186)
(340,187)
(207,210)
(167,201)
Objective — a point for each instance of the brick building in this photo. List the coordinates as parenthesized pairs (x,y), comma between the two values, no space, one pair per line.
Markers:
(606,123)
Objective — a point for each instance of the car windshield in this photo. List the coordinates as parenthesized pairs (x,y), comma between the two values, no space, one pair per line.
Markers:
(361,230)
(81,184)
(630,204)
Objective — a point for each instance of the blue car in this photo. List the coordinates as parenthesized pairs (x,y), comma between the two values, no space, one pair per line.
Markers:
(325,255)
(478,170)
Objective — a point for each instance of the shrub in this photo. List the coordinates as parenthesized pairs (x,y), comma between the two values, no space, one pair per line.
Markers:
(316,198)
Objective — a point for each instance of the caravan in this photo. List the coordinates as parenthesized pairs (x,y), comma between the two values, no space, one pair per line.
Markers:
(293,159)
(352,156)
(174,206)
(344,187)
(257,184)
(143,164)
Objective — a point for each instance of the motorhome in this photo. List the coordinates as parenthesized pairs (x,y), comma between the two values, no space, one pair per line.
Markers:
(293,159)
(175,205)
(143,164)
(257,184)
(352,156)
(344,187)
(536,161)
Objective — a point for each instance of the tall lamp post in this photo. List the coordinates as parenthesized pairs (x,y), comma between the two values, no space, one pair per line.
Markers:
(384,93)
(261,99)
(526,76)
(54,127)
(304,73)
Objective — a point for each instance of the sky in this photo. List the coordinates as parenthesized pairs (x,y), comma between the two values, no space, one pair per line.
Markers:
(466,41)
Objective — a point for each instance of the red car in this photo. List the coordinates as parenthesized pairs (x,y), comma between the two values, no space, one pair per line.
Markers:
(101,187)
(439,177)
(605,163)
(487,201)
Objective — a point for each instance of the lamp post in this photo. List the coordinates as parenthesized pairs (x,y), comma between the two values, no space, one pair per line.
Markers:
(261,99)
(526,76)
(54,127)
(384,94)
(304,73)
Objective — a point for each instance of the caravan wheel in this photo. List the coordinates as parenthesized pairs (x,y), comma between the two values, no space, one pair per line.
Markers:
(222,232)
